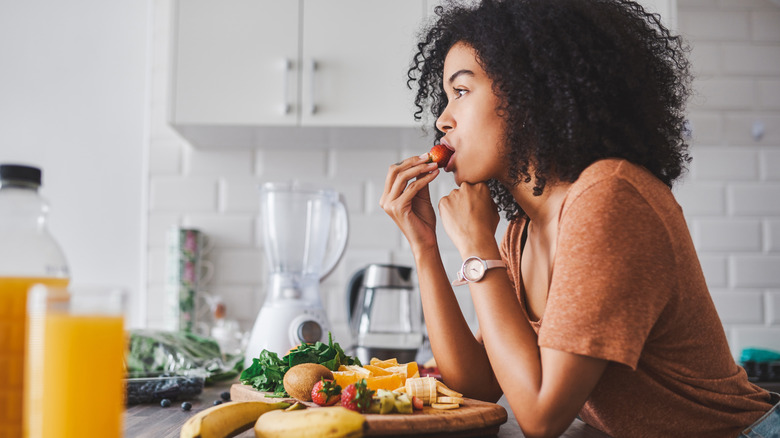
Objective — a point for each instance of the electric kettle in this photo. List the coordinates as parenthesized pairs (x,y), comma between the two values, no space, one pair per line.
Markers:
(385,313)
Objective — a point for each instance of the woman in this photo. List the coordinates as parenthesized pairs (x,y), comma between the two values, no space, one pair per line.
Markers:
(567,115)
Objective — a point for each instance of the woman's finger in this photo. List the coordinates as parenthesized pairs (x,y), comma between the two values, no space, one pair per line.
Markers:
(403,178)
(394,169)
(412,188)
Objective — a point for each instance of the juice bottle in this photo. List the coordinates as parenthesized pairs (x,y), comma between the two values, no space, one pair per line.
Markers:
(28,255)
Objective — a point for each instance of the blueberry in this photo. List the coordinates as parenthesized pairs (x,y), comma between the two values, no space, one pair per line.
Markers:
(165,402)
(186,406)
(217,402)
(225,396)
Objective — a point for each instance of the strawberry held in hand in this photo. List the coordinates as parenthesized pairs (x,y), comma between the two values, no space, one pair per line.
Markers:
(326,392)
(440,155)
(357,396)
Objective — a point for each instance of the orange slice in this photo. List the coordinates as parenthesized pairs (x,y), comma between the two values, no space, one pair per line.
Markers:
(377,371)
(412,370)
(360,371)
(389,383)
(384,363)
(344,378)
(407,370)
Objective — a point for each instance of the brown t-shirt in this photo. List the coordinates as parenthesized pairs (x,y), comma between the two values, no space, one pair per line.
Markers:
(627,287)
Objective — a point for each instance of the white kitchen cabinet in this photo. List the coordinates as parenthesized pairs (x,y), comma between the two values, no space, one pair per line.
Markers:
(308,63)
(356,54)
(234,62)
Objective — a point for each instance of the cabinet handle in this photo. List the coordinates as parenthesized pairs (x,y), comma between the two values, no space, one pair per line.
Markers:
(286,67)
(313,105)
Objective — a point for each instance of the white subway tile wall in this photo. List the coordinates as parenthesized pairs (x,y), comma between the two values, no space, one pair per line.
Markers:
(731,196)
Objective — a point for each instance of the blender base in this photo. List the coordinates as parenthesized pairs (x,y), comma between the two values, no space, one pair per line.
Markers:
(278,328)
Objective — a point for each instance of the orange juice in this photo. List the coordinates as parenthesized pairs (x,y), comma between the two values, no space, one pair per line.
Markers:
(75,375)
(13,308)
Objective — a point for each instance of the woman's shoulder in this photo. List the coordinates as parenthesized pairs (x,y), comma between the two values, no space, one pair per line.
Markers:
(609,176)
(617,169)
(620,189)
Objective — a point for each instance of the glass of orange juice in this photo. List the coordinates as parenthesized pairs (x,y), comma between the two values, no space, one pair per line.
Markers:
(74,368)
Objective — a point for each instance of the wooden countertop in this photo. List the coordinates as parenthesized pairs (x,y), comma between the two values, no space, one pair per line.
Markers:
(154,421)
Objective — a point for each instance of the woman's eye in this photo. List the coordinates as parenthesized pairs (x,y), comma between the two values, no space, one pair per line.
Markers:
(459,92)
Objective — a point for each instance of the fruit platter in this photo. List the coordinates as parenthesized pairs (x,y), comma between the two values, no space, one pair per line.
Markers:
(317,390)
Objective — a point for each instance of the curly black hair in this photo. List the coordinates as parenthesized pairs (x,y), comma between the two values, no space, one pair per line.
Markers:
(580,80)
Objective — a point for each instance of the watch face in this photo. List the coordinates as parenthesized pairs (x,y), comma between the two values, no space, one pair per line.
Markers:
(474,269)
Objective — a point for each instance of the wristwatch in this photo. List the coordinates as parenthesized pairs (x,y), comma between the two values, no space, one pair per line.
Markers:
(473,269)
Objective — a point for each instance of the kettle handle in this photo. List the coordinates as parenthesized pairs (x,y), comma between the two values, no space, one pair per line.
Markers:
(353,291)
(340,232)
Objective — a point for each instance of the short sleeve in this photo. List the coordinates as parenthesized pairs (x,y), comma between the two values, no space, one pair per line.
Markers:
(610,279)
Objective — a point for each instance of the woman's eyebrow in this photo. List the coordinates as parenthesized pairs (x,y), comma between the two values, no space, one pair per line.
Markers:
(460,72)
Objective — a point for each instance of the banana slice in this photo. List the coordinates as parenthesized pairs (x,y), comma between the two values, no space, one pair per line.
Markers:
(445,406)
(446,399)
(442,388)
(423,388)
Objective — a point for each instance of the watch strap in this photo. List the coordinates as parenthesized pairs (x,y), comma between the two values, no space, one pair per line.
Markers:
(495,264)
(489,264)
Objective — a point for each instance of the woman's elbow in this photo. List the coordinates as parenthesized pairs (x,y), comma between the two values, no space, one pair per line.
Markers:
(537,426)
(541,431)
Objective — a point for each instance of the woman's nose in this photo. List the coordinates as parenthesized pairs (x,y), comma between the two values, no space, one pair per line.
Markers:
(445,122)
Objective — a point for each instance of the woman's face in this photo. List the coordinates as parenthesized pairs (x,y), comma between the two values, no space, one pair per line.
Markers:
(470,122)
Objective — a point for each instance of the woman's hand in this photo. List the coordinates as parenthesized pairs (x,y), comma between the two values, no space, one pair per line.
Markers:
(470,218)
(407,199)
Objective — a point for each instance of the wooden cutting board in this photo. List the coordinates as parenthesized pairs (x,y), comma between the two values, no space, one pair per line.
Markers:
(473,418)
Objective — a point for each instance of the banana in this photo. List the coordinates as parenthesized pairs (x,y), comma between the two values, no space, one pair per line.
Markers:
(227,419)
(424,388)
(433,392)
(330,422)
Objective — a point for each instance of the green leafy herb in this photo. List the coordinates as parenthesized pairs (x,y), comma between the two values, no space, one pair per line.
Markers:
(267,371)
(160,351)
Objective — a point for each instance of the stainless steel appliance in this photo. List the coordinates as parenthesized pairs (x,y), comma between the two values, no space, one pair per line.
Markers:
(385,313)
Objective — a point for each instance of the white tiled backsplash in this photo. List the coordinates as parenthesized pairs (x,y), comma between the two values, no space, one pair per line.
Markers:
(731,196)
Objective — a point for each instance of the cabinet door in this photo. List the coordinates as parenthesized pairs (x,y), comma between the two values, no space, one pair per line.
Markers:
(236,62)
(355,57)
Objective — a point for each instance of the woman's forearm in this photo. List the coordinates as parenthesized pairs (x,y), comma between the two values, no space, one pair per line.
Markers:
(545,388)
(461,359)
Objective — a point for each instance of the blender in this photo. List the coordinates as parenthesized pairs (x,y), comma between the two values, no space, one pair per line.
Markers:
(305,231)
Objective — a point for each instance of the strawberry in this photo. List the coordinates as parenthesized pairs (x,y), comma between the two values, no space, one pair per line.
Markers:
(357,396)
(417,403)
(439,154)
(326,392)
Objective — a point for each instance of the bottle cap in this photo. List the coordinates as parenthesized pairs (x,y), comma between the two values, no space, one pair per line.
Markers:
(20,173)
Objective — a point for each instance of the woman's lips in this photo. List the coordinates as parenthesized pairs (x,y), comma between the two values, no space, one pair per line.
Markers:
(450,166)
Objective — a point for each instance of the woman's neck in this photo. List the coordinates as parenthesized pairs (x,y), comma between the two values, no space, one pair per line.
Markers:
(542,210)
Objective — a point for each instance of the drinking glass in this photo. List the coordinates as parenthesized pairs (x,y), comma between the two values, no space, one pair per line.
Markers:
(76,344)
